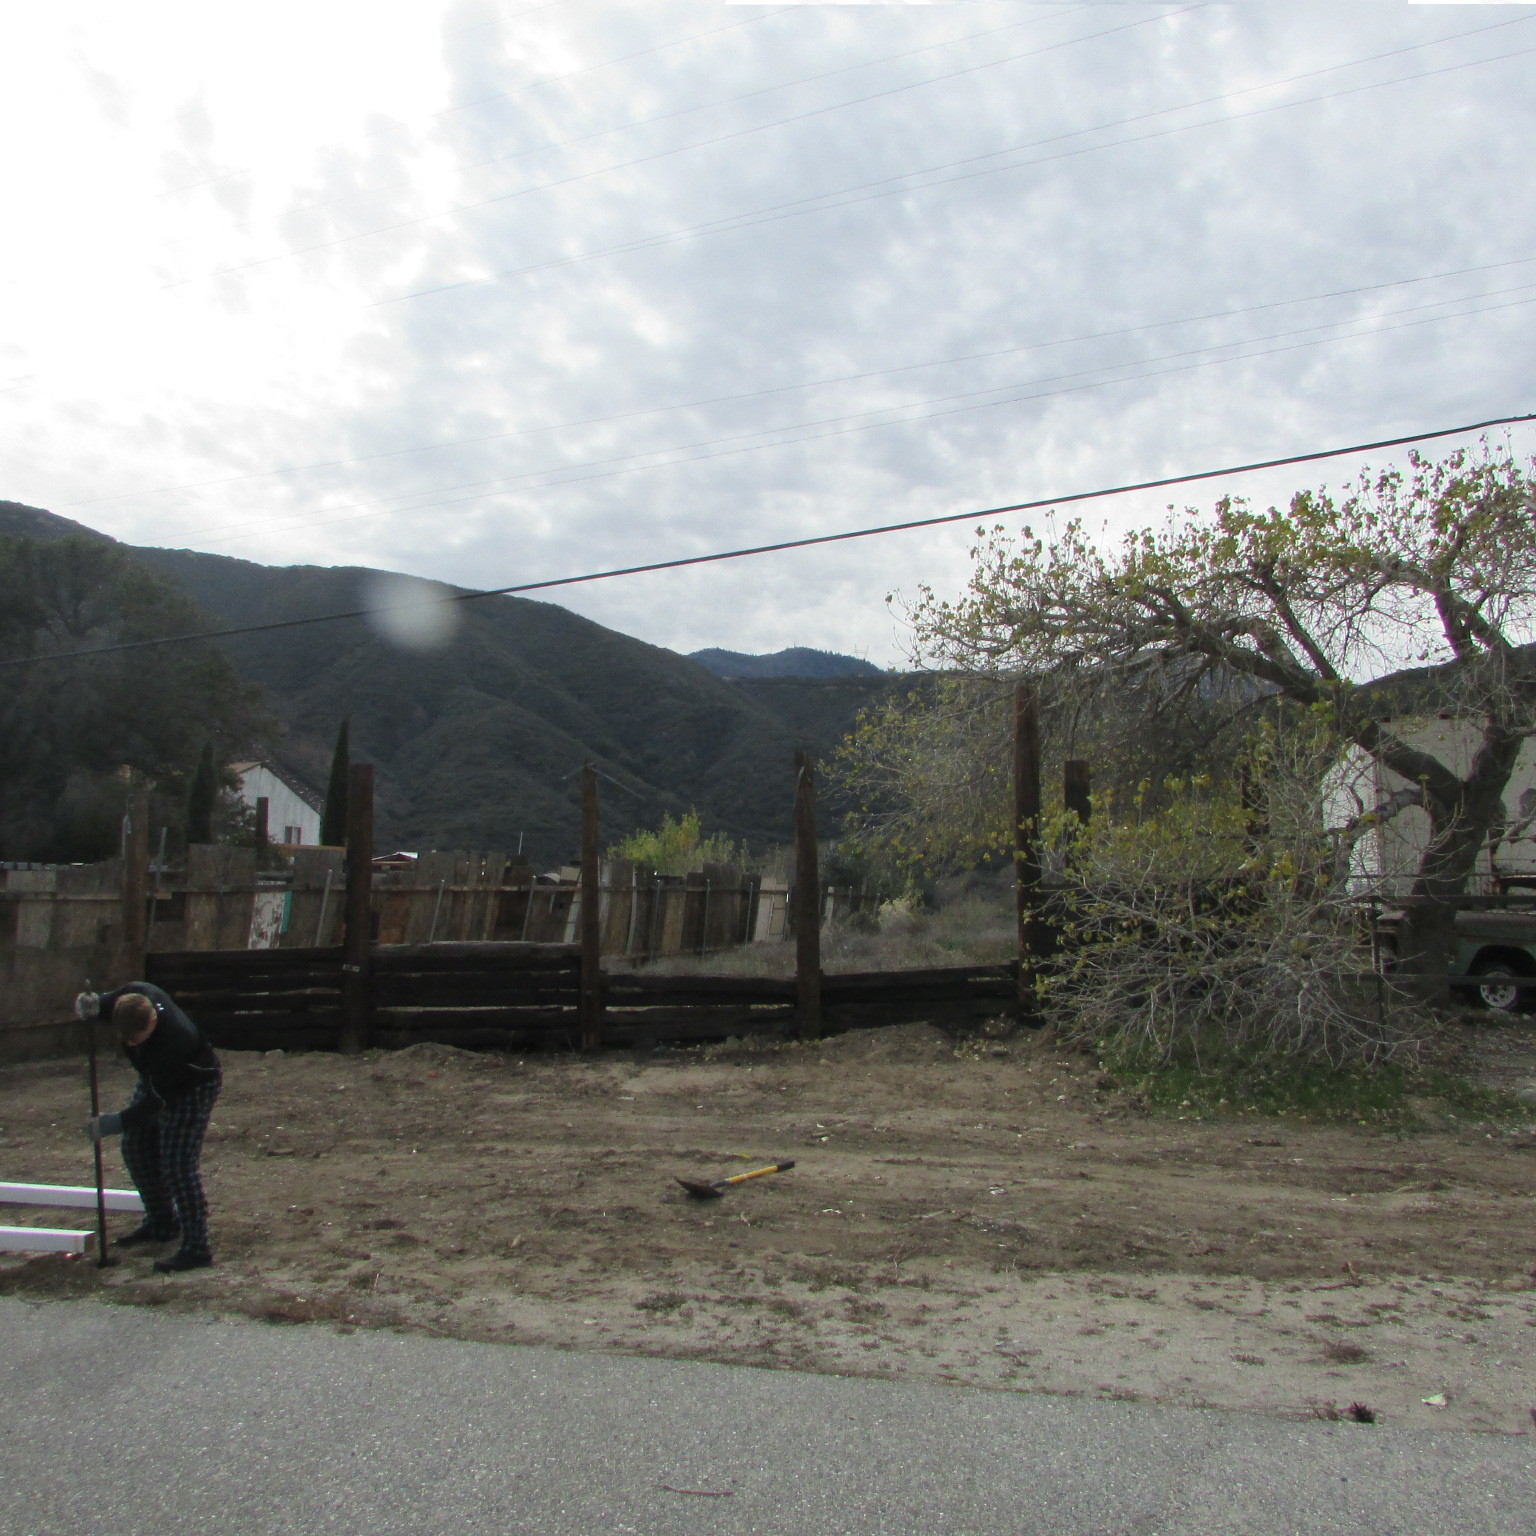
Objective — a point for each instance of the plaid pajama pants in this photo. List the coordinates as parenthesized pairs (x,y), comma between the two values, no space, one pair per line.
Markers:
(162,1154)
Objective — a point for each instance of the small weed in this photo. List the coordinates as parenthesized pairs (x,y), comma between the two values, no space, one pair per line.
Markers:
(1387,1096)
(1342,1352)
(663,1301)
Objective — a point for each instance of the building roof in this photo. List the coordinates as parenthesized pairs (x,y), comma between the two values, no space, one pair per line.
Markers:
(310,797)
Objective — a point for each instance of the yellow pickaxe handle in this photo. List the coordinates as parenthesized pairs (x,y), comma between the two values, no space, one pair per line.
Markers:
(756,1173)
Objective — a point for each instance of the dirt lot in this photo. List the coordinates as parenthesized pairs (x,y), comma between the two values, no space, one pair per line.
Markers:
(985,1212)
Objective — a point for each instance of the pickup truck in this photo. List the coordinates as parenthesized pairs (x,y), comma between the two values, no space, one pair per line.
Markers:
(1494,958)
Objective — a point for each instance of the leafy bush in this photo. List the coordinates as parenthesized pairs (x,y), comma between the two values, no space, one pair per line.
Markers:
(678,847)
(1211,933)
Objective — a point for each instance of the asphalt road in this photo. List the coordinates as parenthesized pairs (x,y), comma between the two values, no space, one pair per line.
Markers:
(135,1423)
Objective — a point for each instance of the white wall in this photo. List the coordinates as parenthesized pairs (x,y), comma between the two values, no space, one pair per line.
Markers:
(1393,850)
(285,808)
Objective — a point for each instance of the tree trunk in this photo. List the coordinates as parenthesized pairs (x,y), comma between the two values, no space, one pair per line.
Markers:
(1457,834)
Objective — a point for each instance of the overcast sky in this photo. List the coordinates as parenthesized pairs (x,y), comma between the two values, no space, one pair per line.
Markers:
(491,292)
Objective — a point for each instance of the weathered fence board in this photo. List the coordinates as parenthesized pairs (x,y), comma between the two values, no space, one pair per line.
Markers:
(524,995)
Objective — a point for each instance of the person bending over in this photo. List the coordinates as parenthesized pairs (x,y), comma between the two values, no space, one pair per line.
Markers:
(163,1126)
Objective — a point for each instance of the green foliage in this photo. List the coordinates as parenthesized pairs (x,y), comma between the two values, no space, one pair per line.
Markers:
(678,847)
(1202,931)
(1389,1095)
(928,774)
(1314,604)
(333,818)
(69,729)
(202,798)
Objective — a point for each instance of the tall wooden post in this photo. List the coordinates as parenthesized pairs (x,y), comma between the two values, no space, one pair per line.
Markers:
(1077,789)
(135,908)
(263,828)
(591,995)
(807,901)
(357,939)
(1026,847)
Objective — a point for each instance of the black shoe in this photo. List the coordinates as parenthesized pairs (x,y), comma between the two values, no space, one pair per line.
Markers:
(181,1260)
(141,1235)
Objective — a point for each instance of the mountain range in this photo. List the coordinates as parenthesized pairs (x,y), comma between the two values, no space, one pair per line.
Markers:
(797,661)
(479,742)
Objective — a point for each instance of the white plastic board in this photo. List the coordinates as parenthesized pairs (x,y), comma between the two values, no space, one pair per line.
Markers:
(45,1240)
(75,1196)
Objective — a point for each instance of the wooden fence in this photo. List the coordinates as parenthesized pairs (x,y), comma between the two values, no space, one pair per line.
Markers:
(525,996)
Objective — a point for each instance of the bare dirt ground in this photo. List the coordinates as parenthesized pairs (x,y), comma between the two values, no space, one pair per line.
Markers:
(978,1211)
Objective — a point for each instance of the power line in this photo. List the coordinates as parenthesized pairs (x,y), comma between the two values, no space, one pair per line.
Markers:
(666,154)
(789,544)
(824,202)
(515,90)
(604,470)
(847,378)
(722,101)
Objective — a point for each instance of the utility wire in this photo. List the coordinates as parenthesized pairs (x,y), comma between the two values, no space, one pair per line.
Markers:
(846,378)
(706,106)
(667,154)
(783,544)
(844,197)
(603,469)
(515,90)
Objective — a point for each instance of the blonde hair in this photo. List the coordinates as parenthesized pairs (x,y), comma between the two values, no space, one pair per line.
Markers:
(132,1011)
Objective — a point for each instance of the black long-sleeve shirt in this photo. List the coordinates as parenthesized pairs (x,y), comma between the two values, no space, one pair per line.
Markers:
(175,1058)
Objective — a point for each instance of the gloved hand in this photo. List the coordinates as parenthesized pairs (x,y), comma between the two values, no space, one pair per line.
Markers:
(98,1126)
(88,1006)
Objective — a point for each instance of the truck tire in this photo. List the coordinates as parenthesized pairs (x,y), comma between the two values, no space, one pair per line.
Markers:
(1501,988)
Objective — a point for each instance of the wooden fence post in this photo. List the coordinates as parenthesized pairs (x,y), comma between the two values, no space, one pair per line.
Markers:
(807,901)
(591,993)
(263,829)
(357,940)
(1026,851)
(1077,789)
(135,909)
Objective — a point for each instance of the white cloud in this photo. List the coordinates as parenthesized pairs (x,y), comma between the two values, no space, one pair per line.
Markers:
(166,352)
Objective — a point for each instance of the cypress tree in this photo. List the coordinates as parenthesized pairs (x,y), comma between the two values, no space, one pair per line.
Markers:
(333,819)
(202,795)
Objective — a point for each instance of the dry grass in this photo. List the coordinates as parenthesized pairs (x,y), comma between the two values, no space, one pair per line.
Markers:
(970,931)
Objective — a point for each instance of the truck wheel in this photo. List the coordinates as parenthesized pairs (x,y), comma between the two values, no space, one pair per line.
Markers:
(1500,988)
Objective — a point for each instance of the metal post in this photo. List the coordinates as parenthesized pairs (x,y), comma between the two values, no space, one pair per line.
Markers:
(356,969)
(807,901)
(437,911)
(102,1259)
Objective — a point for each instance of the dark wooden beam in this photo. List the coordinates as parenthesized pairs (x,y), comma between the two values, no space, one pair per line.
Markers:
(807,900)
(135,909)
(591,1003)
(357,941)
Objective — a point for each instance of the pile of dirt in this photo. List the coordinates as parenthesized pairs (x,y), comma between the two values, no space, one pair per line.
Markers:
(990,1210)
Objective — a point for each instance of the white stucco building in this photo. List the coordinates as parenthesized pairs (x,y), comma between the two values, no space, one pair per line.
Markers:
(293,810)
(1388,855)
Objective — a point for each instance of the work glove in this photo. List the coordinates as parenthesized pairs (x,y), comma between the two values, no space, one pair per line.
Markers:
(88,1006)
(98,1126)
